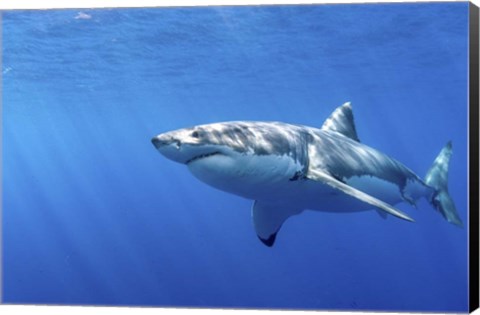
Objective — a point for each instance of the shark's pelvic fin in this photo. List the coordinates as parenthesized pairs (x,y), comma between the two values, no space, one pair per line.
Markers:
(437,178)
(351,191)
(268,219)
(341,121)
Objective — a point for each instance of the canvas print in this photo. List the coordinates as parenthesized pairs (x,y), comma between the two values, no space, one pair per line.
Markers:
(266,157)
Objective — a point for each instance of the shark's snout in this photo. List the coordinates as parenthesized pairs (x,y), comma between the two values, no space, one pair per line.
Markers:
(158,142)
(169,146)
(184,146)
(163,140)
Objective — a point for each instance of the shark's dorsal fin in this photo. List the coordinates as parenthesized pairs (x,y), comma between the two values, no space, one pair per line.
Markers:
(268,219)
(341,121)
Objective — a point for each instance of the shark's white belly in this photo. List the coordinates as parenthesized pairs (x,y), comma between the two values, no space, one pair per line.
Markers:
(252,177)
(269,179)
(318,196)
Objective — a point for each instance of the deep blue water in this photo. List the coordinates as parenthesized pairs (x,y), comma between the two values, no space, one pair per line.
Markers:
(93,214)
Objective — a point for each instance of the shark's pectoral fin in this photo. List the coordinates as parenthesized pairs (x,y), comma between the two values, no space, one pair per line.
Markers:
(268,219)
(351,191)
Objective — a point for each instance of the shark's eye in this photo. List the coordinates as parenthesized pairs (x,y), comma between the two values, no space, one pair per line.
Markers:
(195,134)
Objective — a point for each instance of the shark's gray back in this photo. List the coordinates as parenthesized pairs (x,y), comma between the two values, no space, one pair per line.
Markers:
(260,138)
(344,158)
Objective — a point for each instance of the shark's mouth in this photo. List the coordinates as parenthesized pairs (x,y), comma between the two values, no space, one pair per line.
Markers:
(201,156)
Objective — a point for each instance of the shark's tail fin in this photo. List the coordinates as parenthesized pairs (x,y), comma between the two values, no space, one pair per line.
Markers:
(437,178)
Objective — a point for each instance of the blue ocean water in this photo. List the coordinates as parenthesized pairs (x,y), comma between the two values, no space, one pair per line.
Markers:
(93,214)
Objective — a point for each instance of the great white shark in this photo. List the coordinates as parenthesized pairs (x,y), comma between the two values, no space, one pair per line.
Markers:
(287,169)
